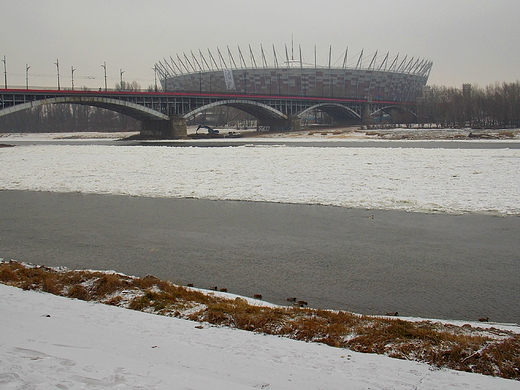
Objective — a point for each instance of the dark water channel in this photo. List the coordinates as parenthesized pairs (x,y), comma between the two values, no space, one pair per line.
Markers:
(367,261)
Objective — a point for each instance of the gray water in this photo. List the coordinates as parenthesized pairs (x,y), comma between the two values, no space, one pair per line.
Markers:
(366,261)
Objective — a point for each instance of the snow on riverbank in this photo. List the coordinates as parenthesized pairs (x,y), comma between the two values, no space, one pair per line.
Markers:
(411,179)
(55,342)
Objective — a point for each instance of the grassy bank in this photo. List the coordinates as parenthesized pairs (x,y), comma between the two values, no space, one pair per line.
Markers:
(488,351)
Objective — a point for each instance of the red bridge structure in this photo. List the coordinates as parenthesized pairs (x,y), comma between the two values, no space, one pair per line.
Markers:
(164,114)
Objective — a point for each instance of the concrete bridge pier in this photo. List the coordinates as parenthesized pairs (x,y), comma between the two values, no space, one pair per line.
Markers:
(366,118)
(174,128)
(289,124)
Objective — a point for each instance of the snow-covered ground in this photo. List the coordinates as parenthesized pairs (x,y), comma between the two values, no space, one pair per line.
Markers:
(411,179)
(52,342)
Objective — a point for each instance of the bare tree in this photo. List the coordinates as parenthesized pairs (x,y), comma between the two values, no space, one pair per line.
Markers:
(126,86)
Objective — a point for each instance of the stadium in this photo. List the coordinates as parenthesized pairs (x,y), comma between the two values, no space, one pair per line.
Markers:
(271,72)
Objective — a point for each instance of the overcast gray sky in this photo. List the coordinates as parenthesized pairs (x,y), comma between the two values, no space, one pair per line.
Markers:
(469,41)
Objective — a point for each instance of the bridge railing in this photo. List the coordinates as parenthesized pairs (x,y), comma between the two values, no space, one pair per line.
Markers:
(36,89)
(75,89)
(194,94)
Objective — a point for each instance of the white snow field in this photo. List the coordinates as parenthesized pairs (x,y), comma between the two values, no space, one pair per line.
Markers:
(51,342)
(411,179)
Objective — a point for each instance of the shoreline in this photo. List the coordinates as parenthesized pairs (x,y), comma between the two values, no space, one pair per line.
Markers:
(482,323)
(330,134)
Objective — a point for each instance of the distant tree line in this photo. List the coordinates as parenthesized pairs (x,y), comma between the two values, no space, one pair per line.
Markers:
(494,106)
(126,86)
(59,118)
(221,116)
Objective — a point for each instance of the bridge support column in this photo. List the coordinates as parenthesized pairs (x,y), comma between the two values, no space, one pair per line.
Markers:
(177,127)
(173,128)
(366,118)
(290,124)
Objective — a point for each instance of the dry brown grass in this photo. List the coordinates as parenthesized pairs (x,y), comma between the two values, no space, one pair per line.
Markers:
(490,352)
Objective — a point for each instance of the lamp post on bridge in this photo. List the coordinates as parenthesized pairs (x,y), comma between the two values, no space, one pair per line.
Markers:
(72,79)
(105,68)
(27,67)
(121,71)
(57,63)
(155,77)
(5,73)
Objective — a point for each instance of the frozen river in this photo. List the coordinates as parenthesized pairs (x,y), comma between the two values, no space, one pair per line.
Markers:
(426,232)
(394,178)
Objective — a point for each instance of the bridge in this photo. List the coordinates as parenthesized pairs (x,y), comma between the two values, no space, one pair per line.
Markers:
(164,114)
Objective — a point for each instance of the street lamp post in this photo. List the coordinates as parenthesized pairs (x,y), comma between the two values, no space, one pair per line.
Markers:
(155,78)
(121,77)
(105,68)
(5,73)
(27,67)
(57,63)
(72,79)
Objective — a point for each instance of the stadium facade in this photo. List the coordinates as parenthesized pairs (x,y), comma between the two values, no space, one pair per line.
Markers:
(372,77)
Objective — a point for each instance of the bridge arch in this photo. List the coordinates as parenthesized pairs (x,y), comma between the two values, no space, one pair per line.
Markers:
(133,110)
(394,107)
(256,109)
(335,110)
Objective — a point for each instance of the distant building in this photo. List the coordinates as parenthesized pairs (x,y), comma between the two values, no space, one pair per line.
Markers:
(375,78)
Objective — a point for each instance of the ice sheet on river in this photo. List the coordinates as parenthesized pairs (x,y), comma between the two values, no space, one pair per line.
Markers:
(412,179)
